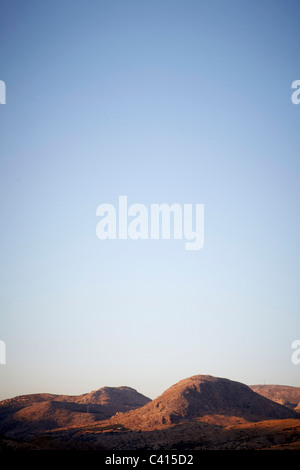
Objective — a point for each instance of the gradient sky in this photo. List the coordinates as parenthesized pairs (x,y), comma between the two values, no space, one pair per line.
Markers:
(182,101)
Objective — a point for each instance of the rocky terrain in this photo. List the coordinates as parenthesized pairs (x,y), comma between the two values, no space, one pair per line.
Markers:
(200,412)
(33,414)
(203,395)
(283,394)
(196,434)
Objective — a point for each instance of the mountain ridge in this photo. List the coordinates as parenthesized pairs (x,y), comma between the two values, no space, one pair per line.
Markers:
(34,413)
(203,398)
(203,395)
(284,394)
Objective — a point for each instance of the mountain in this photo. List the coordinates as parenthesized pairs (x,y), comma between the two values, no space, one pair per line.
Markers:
(283,394)
(201,396)
(36,413)
(200,412)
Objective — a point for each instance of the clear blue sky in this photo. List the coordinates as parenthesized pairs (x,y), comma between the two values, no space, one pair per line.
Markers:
(178,101)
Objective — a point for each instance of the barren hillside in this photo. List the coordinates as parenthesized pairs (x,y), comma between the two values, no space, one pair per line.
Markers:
(283,394)
(203,395)
(26,414)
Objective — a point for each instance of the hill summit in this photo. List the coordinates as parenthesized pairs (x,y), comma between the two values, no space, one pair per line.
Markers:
(35,413)
(202,395)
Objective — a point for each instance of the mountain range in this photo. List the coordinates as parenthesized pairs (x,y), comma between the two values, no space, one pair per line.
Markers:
(33,414)
(199,412)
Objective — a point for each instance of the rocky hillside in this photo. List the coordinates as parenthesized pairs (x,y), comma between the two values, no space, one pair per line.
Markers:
(283,394)
(203,395)
(26,414)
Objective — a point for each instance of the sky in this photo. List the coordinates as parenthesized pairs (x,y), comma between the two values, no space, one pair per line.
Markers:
(182,101)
